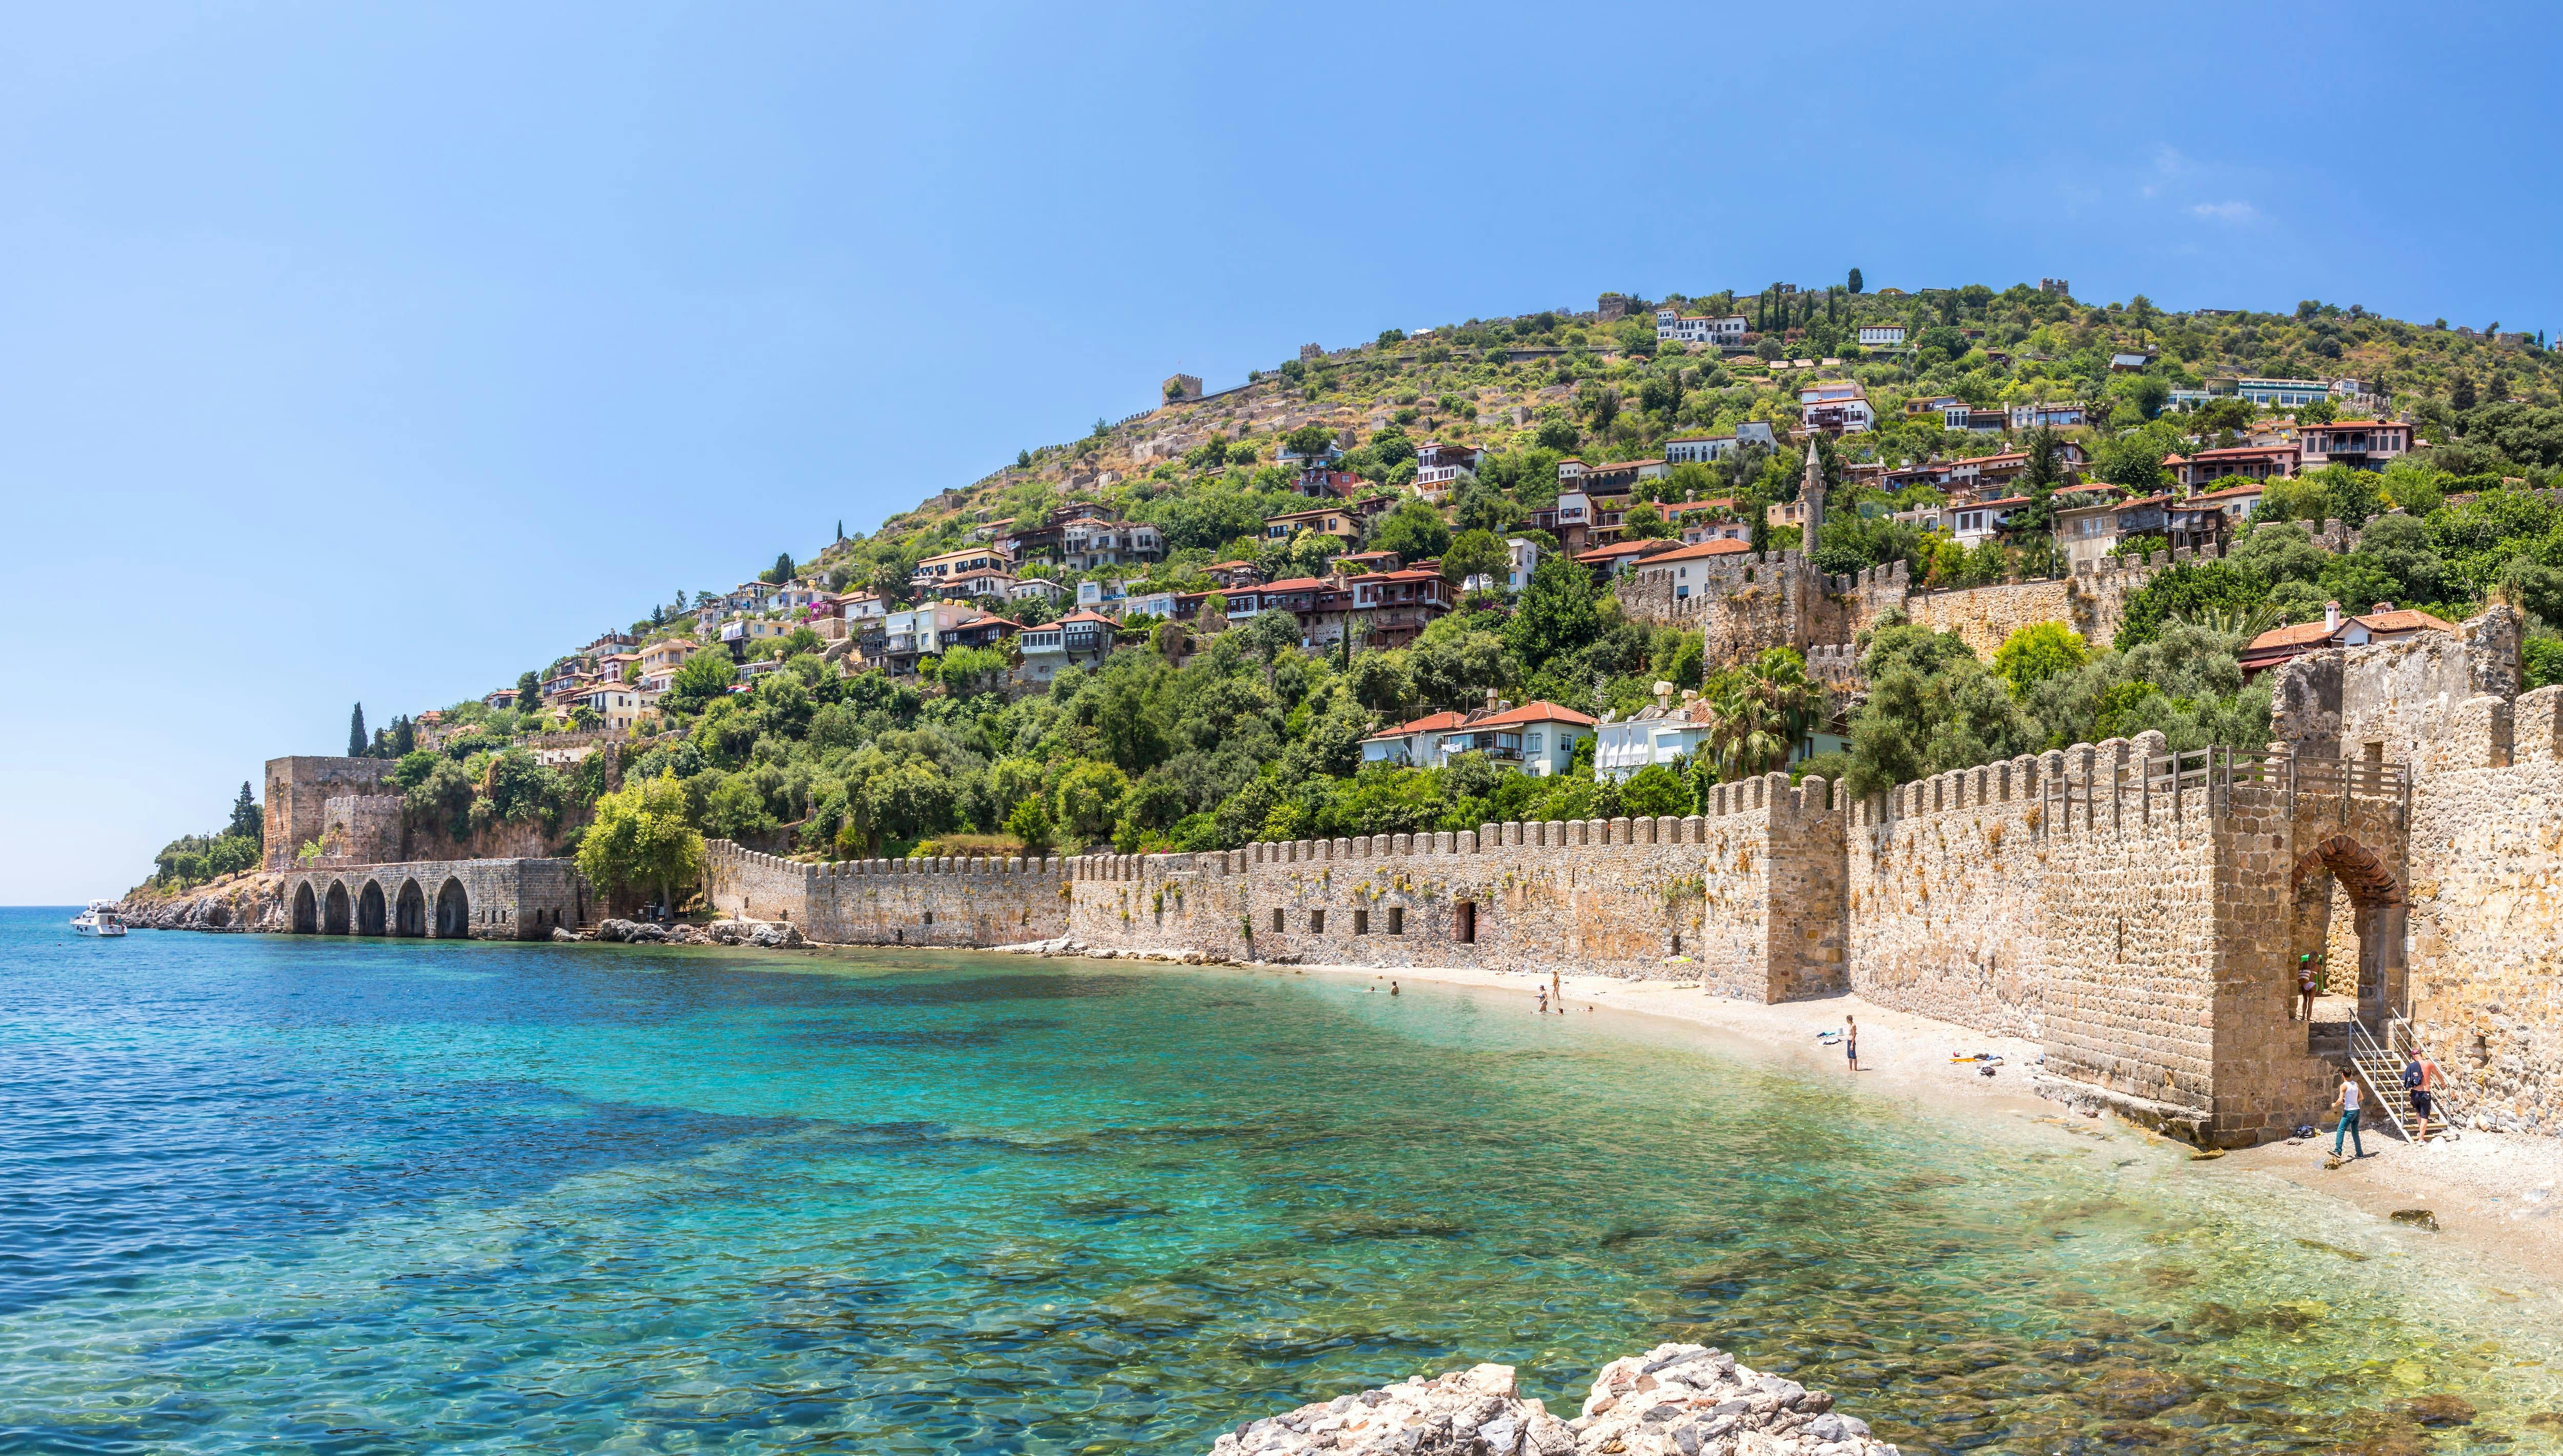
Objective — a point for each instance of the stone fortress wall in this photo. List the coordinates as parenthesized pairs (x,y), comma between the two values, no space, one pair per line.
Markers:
(1745,899)
(2138,914)
(1752,601)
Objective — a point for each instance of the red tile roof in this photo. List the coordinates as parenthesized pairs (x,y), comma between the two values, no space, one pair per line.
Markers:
(1721,547)
(1538,712)
(1429,723)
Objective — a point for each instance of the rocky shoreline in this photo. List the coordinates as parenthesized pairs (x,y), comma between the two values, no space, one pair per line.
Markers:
(1673,1400)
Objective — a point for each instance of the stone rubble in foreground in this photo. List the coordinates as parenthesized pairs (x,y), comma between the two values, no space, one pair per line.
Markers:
(1673,1400)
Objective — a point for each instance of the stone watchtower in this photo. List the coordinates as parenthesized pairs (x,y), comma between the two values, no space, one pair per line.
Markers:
(1812,492)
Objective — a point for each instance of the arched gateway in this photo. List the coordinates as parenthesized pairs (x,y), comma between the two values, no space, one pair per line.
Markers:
(2377,905)
(409,912)
(453,911)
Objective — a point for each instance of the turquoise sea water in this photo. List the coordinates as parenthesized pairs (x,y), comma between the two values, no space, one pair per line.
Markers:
(296,1194)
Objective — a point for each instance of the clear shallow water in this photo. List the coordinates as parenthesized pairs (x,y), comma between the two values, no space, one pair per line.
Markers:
(376,1196)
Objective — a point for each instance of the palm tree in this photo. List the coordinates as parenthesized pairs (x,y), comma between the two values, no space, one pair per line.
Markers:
(1767,707)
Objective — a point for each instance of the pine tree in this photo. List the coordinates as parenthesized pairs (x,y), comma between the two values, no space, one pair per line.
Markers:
(2461,396)
(246,820)
(1856,283)
(356,732)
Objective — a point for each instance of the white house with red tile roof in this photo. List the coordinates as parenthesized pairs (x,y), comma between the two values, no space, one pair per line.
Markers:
(1687,569)
(2384,624)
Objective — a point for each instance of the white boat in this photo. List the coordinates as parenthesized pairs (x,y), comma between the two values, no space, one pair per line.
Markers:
(99,919)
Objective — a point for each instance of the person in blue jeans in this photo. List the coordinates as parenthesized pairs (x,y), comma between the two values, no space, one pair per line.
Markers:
(2347,1102)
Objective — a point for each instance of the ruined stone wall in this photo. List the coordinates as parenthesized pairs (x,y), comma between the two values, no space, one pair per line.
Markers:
(975,901)
(2391,700)
(1748,603)
(298,790)
(2485,927)
(1946,877)
(2093,600)
(1746,899)
(361,829)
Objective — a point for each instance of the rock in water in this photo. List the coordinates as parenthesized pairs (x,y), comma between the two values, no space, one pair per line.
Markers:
(1673,1400)
(2417,1218)
(1473,1413)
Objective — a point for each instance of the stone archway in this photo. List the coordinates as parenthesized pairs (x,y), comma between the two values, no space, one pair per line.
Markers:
(2377,905)
(334,916)
(307,910)
(409,910)
(453,911)
(372,917)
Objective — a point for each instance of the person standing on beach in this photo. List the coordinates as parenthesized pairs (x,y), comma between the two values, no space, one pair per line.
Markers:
(1850,1042)
(1543,1001)
(1557,990)
(2347,1101)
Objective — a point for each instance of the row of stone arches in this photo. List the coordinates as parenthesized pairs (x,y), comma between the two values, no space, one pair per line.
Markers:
(369,912)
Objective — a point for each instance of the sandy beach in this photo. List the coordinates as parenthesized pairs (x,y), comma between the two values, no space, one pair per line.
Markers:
(2499,1193)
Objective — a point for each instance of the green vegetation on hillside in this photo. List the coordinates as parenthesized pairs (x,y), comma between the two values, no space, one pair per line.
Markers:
(1251,737)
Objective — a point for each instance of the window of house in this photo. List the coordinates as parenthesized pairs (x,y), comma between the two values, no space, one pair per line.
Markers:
(1361,922)
(1397,920)
(1534,743)
(1276,922)
(1316,922)
(1463,922)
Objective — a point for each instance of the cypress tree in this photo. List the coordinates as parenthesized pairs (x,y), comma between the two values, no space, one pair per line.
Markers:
(1856,283)
(356,732)
(246,820)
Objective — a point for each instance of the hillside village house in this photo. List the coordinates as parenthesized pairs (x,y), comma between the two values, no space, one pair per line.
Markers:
(1707,520)
(1835,408)
(1881,335)
(1726,330)
(2365,444)
(616,704)
(2248,461)
(976,572)
(1047,541)
(2383,625)
(1234,573)
(986,630)
(1523,558)
(921,630)
(1439,468)
(2057,417)
(1027,589)
(743,636)
(1538,738)
(2282,394)
(1087,544)
(1615,560)
(1687,568)
(1082,638)
(1699,449)
(2089,532)
(1383,610)
(1338,521)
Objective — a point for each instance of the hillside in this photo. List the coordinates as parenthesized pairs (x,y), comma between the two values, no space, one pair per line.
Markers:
(1228,726)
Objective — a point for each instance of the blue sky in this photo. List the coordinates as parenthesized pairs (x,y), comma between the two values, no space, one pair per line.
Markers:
(379,353)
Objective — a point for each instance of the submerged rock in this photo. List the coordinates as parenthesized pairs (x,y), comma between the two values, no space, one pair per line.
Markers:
(1673,1400)
(1469,1412)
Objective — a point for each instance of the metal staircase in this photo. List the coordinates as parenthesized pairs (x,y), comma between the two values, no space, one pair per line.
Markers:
(2380,1066)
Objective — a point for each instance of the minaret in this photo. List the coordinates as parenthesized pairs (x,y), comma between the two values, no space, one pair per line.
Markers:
(1813,493)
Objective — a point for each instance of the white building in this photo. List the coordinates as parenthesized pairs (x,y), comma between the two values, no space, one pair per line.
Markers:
(1881,335)
(1524,557)
(2282,394)
(1659,733)
(1699,328)
(1699,449)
